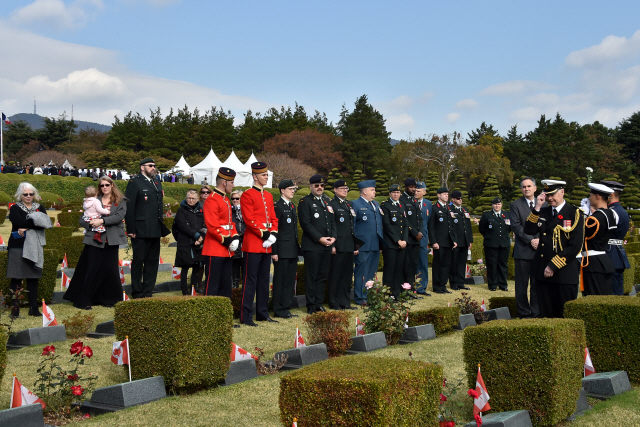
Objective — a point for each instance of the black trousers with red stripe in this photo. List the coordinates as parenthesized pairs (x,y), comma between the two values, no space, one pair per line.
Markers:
(255,283)
(218,281)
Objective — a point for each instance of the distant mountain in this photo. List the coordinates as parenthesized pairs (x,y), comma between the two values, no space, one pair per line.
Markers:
(37,122)
(394,141)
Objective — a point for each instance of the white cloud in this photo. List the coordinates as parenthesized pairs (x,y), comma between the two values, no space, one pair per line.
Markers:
(426,96)
(514,87)
(611,116)
(57,14)
(525,114)
(453,117)
(400,103)
(82,84)
(401,122)
(466,104)
(612,48)
(543,99)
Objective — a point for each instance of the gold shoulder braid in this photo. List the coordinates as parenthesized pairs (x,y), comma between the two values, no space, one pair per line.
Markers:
(559,229)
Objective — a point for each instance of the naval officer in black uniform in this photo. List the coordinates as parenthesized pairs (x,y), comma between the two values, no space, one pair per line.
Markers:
(464,240)
(396,232)
(285,251)
(495,226)
(414,223)
(616,250)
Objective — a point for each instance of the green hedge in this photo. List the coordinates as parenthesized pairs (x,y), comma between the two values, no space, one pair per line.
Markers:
(168,221)
(629,276)
(46,284)
(73,247)
(349,391)
(70,219)
(5,198)
(3,215)
(509,302)
(69,188)
(49,199)
(632,248)
(613,331)
(443,319)
(54,236)
(188,354)
(3,351)
(477,250)
(531,364)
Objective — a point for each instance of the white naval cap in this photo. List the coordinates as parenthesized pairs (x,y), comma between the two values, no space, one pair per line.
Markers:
(600,189)
(550,186)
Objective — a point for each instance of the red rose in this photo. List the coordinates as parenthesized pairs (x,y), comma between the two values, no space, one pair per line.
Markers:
(86,351)
(451,424)
(76,347)
(443,398)
(48,350)
(473,393)
(559,216)
(478,419)
(77,390)
(72,377)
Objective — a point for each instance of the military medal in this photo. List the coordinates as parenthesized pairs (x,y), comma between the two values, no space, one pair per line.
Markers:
(341,219)
(353,213)
(330,208)
(466,215)
(507,221)
(145,197)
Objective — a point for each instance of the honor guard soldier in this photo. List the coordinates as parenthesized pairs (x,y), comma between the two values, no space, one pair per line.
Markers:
(561,230)
(344,249)
(318,236)
(596,268)
(495,226)
(262,229)
(285,251)
(396,232)
(423,261)
(222,238)
(415,236)
(442,236)
(145,226)
(464,241)
(616,250)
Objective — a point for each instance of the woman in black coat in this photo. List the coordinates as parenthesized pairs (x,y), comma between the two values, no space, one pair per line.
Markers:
(189,231)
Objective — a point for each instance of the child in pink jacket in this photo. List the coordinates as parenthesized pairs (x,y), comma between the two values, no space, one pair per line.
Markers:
(93,209)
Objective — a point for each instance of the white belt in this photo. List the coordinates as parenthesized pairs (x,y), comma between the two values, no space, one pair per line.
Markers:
(591,253)
(615,242)
(226,227)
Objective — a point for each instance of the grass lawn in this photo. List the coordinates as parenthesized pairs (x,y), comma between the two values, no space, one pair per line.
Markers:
(255,402)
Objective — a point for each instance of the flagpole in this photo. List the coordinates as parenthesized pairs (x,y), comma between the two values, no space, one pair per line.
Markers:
(129,356)
(13,385)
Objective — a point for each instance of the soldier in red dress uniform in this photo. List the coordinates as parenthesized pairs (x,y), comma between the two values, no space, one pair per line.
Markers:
(222,239)
(261,232)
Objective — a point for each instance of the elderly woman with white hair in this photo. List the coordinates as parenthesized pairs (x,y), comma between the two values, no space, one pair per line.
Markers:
(26,255)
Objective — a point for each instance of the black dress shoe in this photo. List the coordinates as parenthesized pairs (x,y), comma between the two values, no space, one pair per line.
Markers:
(505,290)
(335,308)
(350,308)
(236,326)
(492,290)
(286,316)
(268,319)
(466,288)
(249,323)
(446,291)
(427,294)
(321,308)
(36,313)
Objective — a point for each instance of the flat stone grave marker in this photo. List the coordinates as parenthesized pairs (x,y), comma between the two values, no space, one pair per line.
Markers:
(299,301)
(303,356)
(241,370)
(505,419)
(466,320)
(603,385)
(171,286)
(474,280)
(125,395)
(22,416)
(581,405)
(104,329)
(418,333)
(36,336)
(499,313)
(367,342)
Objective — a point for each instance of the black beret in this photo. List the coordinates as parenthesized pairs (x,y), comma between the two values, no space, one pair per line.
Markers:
(285,183)
(145,161)
(394,187)
(226,173)
(340,183)
(456,195)
(496,200)
(317,179)
(410,181)
(443,190)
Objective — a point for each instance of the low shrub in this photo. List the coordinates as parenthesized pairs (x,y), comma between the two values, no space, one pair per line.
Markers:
(50,199)
(3,215)
(509,302)
(46,284)
(443,319)
(348,391)
(5,198)
(477,250)
(537,365)
(236,302)
(331,328)
(78,324)
(73,247)
(470,306)
(384,312)
(188,354)
(613,331)
(632,248)
(70,219)
(629,276)
(54,236)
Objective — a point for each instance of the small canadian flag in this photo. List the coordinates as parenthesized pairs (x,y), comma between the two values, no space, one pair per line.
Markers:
(468,273)
(481,403)
(359,327)
(299,340)
(193,291)
(66,280)
(238,353)
(120,352)
(406,322)
(122,275)
(482,306)
(48,318)
(124,263)
(65,263)
(175,273)
(448,303)
(125,297)
(21,396)
(57,223)
(1,241)
(588,364)
(161,261)
(295,423)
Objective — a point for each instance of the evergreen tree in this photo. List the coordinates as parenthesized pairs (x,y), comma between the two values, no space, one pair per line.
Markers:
(18,134)
(631,195)
(579,192)
(381,179)
(629,136)
(489,192)
(433,183)
(56,132)
(473,138)
(334,175)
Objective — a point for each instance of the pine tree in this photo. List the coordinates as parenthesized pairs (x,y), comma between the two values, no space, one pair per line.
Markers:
(631,194)
(433,183)
(334,175)
(579,192)
(382,181)
(489,192)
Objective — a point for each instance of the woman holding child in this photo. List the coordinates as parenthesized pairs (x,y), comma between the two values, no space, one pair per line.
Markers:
(96,280)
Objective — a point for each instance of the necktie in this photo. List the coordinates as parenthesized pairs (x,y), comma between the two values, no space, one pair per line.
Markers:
(531,206)
(373,206)
(554,212)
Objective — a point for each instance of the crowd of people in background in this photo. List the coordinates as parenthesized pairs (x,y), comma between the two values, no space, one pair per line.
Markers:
(52,169)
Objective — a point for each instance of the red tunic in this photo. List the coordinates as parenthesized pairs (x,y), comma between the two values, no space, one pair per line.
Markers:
(219,223)
(260,219)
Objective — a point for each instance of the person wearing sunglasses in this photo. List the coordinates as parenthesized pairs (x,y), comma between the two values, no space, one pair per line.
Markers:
(26,256)
(238,257)
(145,226)
(189,231)
(96,280)
(205,191)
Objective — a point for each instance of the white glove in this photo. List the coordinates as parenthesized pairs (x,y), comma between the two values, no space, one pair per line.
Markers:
(234,245)
(267,243)
(585,205)
(272,239)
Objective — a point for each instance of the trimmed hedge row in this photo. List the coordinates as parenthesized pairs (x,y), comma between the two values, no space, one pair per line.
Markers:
(54,236)
(509,302)
(537,366)
(3,215)
(46,284)
(443,319)
(70,219)
(613,331)
(347,392)
(629,276)
(73,247)
(3,352)
(188,354)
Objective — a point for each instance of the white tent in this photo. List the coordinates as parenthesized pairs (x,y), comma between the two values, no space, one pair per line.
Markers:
(66,164)
(252,159)
(181,167)
(208,168)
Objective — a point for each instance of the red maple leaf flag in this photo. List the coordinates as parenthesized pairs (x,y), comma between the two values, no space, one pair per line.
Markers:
(468,274)
(66,280)
(481,403)
(65,263)
(588,364)
(48,318)
(57,223)
(160,261)
(120,352)
(448,303)
(238,353)
(1,241)
(125,297)
(122,275)
(406,322)
(124,263)
(483,307)
(299,340)
(175,273)
(21,396)
(193,291)
(295,423)
(359,327)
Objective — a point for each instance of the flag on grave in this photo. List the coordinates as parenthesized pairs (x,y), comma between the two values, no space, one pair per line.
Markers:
(482,306)
(21,396)
(238,353)
(588,364)
(120,352)
(48,318)
(175,273)
(359,327)
(193,291)
(299,340)
(125,297)
(65,263)
(122,275)
(66,280)
(481,403)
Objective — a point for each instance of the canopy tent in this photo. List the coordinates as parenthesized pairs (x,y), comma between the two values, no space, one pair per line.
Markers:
(208,168)
(252,159)
(66,164)
(181,167)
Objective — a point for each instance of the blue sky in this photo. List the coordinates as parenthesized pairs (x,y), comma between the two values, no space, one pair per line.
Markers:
(429,67)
